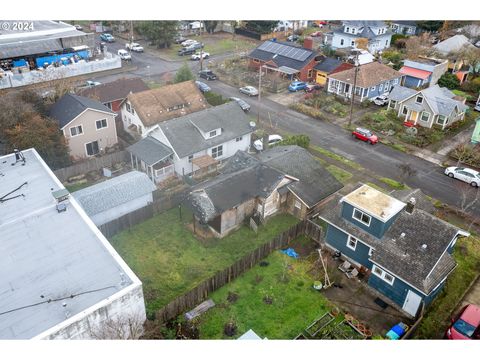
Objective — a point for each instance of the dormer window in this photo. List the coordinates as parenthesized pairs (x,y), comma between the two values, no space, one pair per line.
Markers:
(419,99)
(362,217)
(347,29)
(212,133)
(354,30)
(176,107)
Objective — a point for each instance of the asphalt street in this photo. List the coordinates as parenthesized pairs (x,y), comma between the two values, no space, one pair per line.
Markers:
(378,159)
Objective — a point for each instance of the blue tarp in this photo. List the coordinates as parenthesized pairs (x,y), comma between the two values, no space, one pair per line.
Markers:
(290,252)
(19,63)
(41,61)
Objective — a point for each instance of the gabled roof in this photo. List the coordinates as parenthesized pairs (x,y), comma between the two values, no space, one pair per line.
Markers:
(328,65)
(115,90)
(185,138)
(365,26)
(69,106)
(370,74)
(150,150)
(441,100)
(453,44)
(315,184)
(419,239)
(405,22)
(226,191)
(400,93)
(156,105)
(283,54)
(114,192)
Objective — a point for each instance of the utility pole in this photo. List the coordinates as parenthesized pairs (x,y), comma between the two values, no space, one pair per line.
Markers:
(201,59)
(353,90)
(259,92)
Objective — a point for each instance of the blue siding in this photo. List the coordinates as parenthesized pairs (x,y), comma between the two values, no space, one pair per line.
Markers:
(338,240)
(396,292)
(376,92)
(428,299)
(376,228)
(413,82)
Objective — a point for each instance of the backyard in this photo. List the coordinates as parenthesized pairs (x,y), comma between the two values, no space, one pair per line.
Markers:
(275,299)
(170,260)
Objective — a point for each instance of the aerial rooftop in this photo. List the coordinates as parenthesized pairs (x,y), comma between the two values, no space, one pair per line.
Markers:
(374,202)
(55,265)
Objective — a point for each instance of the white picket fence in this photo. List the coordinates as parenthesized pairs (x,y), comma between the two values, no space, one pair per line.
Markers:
(49,74)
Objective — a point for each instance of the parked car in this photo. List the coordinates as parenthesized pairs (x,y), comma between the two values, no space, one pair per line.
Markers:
(477,107)
(242,103)
(381,100)
(200,55)
(466,326)
(78,27)
(365,135)
(312,87)
(293,37)
(190,49)
(272,140)
(134,47)
(179,39)
(467,175)
(124,54)
(249,90)
(297,85)
(207,75)
(107,37)
(202,86)
(189,42)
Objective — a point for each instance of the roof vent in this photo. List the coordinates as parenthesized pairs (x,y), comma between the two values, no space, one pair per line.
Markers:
(61,196)
(410,205)
(424,247)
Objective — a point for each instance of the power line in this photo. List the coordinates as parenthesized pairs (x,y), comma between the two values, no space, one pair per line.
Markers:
(54,300)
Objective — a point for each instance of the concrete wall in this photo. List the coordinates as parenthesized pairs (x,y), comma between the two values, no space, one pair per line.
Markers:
(85,325)
(106,137)
(123,209)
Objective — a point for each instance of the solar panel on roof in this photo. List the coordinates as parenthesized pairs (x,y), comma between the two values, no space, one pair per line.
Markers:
(284,50)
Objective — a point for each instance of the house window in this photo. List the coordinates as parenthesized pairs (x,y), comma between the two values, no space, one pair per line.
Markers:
(256,61)
(358,91)
(419,99)
(392,104)
(310,73)
(101,124)
(404,110)
(352,43)
(239,138)
(362,217)
(127,105)
(190,158)
(212,133)
(109,105)
(348,29)
(373,88)
(298,204)
(76,130)
(217,151)
(341,42)
(425,116)
(380,87)
(354,30)
(389,279)
(441,120)
(386,42)
(92,148)
(395,81)
(133,111)
(351,242)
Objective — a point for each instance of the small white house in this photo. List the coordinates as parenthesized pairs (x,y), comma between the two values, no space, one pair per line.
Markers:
(113,198)
(193,143)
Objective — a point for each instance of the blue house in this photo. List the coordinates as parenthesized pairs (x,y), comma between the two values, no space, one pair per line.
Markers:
(404,251)
(373,79)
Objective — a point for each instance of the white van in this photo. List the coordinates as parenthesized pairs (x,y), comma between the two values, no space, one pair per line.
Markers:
(124,54)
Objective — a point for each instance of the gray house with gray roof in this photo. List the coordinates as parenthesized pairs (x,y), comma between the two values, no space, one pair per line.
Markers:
(113,198)
(281,179)
(194,143)
(434,106)
(377,32)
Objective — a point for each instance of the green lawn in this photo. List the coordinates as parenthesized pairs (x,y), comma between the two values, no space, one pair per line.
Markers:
(340,174)
(295,304)
(437,319)
(393,183)
(170,261)
(76,187)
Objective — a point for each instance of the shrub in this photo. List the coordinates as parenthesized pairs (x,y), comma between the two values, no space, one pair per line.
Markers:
(299,140)
(214,99)
(472,85)
(450,81)
(183,74)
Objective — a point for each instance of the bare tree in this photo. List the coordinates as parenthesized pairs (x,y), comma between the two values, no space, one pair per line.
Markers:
(119,328)
(416,46)
(468,198)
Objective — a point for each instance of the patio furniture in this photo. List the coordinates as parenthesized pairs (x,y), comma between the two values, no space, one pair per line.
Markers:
(345,266)
(352,274)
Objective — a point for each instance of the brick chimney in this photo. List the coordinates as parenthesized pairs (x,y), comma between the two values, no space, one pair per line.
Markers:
(308,43)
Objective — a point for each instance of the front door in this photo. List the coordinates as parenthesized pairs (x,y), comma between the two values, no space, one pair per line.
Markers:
(412,302)
(413,116)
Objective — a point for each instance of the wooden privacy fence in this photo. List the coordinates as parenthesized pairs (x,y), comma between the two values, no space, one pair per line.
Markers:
(93,164)
(200,293)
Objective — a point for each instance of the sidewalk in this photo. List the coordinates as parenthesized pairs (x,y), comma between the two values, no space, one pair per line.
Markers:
(462,137)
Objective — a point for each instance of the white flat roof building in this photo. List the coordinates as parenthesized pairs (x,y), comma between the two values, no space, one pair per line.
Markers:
(59,276)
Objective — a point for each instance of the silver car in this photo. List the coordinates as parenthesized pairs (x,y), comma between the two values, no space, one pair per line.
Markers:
(249,90)
(467,175)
